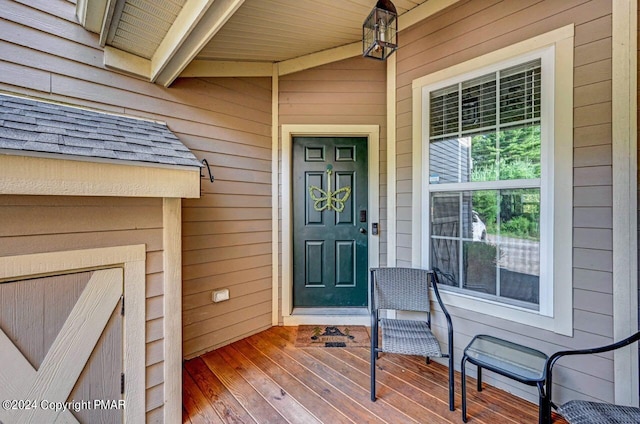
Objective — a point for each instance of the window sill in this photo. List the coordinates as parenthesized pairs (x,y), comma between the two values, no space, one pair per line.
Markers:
(507,312)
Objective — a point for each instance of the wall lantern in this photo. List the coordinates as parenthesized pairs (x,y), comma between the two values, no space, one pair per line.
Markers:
(380,31)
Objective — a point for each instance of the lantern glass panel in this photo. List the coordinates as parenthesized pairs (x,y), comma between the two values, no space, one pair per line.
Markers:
(379,34)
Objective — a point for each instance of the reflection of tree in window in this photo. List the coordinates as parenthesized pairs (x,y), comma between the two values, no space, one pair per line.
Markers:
(517,157)
(520,213)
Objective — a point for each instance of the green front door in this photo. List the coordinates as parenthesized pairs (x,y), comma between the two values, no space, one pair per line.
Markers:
(330,256)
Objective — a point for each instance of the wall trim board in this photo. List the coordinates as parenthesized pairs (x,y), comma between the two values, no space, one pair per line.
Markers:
(391,162)
(625,202)
(172,297)
(47,176)
(275,241)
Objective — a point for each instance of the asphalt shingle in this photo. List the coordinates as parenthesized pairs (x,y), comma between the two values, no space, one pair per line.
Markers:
(36,126)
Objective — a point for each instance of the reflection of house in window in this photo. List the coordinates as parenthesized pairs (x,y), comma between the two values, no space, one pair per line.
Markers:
(450,160)
(449,154)
(445,224)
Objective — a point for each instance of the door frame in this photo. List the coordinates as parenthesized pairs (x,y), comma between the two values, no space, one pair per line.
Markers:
(372,133)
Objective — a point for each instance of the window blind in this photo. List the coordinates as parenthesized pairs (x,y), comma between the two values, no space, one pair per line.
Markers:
(508,96)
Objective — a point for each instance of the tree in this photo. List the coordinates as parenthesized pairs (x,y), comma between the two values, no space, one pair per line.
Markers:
(518,157)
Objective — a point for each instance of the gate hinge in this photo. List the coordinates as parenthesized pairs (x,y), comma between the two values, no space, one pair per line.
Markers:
(122,309)
(122,383)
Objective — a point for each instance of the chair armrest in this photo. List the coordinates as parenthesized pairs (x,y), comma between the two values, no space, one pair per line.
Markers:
(372,300)
(434,283)
(556,356)
(372,276)
(622,343)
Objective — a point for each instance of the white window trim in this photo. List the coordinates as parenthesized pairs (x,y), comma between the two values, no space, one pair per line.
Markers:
(559,316)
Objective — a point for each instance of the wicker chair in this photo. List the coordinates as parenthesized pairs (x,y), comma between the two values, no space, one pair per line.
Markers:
(406,289)
(587,412)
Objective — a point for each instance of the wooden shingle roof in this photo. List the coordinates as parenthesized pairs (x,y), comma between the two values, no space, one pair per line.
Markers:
(30,126)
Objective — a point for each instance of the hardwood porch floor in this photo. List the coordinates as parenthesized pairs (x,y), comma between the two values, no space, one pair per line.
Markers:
(265,379)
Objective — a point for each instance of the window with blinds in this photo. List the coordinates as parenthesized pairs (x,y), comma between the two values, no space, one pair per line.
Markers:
(484,183)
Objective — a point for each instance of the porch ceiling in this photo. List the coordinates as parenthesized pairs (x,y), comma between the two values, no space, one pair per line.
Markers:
(277,30)
(164,39)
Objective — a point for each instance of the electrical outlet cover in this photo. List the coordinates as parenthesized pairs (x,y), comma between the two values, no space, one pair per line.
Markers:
(220,295)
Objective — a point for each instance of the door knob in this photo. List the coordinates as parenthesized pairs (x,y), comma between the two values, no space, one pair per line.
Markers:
(362,230)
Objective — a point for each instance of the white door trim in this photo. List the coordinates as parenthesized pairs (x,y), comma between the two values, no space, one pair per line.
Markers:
(372,132)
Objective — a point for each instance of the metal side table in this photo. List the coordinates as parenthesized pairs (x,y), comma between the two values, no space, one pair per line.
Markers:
(506,358)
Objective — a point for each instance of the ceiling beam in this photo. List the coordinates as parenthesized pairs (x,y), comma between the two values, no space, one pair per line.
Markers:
(182,45)
(185,23)
(213,68)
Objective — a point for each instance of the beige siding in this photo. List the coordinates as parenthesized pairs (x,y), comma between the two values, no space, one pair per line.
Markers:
(349,92)
(227,232)
(469,29)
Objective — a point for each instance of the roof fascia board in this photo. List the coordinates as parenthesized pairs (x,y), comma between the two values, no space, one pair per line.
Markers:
(210,68)
(180,30)
(106,22)
(111,26)
(123,61)
(46,176)
(211,22)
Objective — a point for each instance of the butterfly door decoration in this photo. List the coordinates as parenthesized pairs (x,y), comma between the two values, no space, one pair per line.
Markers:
(329,200)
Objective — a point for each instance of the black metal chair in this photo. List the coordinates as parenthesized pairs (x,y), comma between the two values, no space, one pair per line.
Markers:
(406,289)
(587,412)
